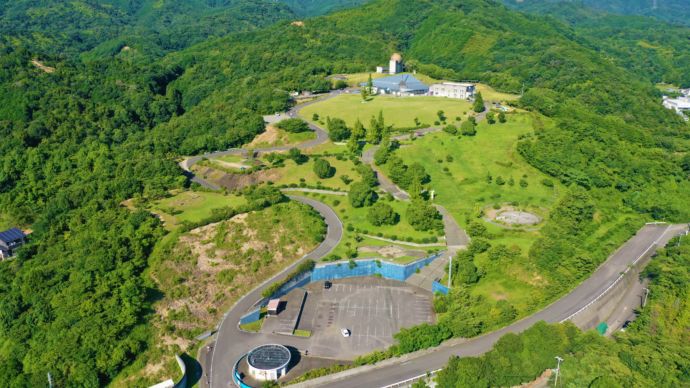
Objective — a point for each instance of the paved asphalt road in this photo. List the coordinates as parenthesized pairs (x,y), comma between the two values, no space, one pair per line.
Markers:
(232,343)
(392,371)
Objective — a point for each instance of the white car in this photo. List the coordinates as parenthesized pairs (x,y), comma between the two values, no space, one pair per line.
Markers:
(345,332)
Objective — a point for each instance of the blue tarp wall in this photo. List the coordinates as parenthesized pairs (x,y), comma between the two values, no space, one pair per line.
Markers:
(438,287)
(251,316)
(369,268)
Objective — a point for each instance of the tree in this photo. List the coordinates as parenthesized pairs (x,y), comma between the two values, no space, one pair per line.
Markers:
(451,129)
(382,214)
(491,118)
(383,152)
(368,174)
(441,116)
(465,270)
(364,94)
(424,217)
(358,131)
(323,169)
(478,105)
(376,130)
(502,117)
(340,84)
(361,195)
(337,130)
(370,85)
(476,229)
(294,125)
(297,156)
(353,146)
(315,117)
(468,128)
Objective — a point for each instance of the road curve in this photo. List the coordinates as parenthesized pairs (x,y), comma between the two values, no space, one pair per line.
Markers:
(321,138)
(232,343)
(645,242)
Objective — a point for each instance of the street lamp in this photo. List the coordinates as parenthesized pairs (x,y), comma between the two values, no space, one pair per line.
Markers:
(558,370)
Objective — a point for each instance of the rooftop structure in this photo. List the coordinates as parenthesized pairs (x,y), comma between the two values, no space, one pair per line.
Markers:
(399,85)
(268,362)
(395,65)
(10,240)
(680,105)
(273,306)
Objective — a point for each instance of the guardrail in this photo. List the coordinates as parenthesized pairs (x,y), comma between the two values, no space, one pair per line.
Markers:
(409,381)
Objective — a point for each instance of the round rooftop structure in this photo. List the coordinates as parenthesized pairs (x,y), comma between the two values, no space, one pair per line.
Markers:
(396,57)
(268,362)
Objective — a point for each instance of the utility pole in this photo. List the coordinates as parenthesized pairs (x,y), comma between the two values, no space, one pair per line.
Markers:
(646,294)
(558,370)
(450,268)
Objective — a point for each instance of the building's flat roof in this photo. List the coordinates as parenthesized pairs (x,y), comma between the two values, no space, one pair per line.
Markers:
(465,84)
(681,103)
(269,357)
(10,235)
(273,304)
(399,83)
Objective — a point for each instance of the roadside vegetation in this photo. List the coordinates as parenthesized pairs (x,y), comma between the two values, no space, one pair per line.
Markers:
(203,271)
(649,353)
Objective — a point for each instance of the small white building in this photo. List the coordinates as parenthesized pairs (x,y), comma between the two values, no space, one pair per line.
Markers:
(459,90)
(268,362)
(380,70)
(685,92)
(680,105)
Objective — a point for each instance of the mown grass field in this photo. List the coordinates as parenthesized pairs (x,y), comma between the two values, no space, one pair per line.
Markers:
(462,186)
(192,206)
(357,217)
(397,111)
(295,174)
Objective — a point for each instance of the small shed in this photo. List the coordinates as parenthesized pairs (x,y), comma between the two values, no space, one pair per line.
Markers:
(273,307)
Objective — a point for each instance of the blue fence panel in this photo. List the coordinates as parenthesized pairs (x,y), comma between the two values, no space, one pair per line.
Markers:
(300,281)
(438,287)
(252,316)
(369,268)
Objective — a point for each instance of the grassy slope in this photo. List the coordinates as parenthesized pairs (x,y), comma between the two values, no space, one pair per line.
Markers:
(192,206)
(399,112)
(196,294)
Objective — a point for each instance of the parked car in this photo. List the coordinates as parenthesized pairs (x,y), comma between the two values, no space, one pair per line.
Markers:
(327,285)
(345,332)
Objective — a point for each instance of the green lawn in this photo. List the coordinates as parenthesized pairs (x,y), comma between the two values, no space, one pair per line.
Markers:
(463,189)
(397,111)
(358,219)
(293,174)
(192,206)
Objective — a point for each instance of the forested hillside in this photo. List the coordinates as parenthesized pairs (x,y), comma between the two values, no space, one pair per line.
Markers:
(652,49)
(674,11)
(78,141)
(60,27)
(320,7)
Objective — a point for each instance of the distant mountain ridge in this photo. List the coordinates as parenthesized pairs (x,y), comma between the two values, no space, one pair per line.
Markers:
(674,11)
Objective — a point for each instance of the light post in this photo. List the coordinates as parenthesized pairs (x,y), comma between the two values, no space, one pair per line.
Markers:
(558,370)
(646,294)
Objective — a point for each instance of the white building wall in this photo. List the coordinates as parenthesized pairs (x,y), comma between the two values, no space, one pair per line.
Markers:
(459,91)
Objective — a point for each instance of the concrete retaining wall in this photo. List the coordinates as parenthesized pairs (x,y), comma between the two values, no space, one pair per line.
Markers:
(251,316)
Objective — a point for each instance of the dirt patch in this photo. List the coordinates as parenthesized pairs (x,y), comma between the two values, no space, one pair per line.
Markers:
(43,67)
(509,215)
(240,181)
(392,251)
(540,382)
(270,136)
(297,23)
(499,296)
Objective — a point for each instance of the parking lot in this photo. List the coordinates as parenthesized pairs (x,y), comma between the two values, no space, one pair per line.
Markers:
(372,309)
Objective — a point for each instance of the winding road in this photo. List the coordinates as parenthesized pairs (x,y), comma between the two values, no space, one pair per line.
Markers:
(232,343)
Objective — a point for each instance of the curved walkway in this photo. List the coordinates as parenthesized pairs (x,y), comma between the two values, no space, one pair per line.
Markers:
(232,343)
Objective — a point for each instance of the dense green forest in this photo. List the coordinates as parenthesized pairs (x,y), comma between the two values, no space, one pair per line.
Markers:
(320,7)
(654,50)
(650,353)
(674,11)
(101,129)
(149,27)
